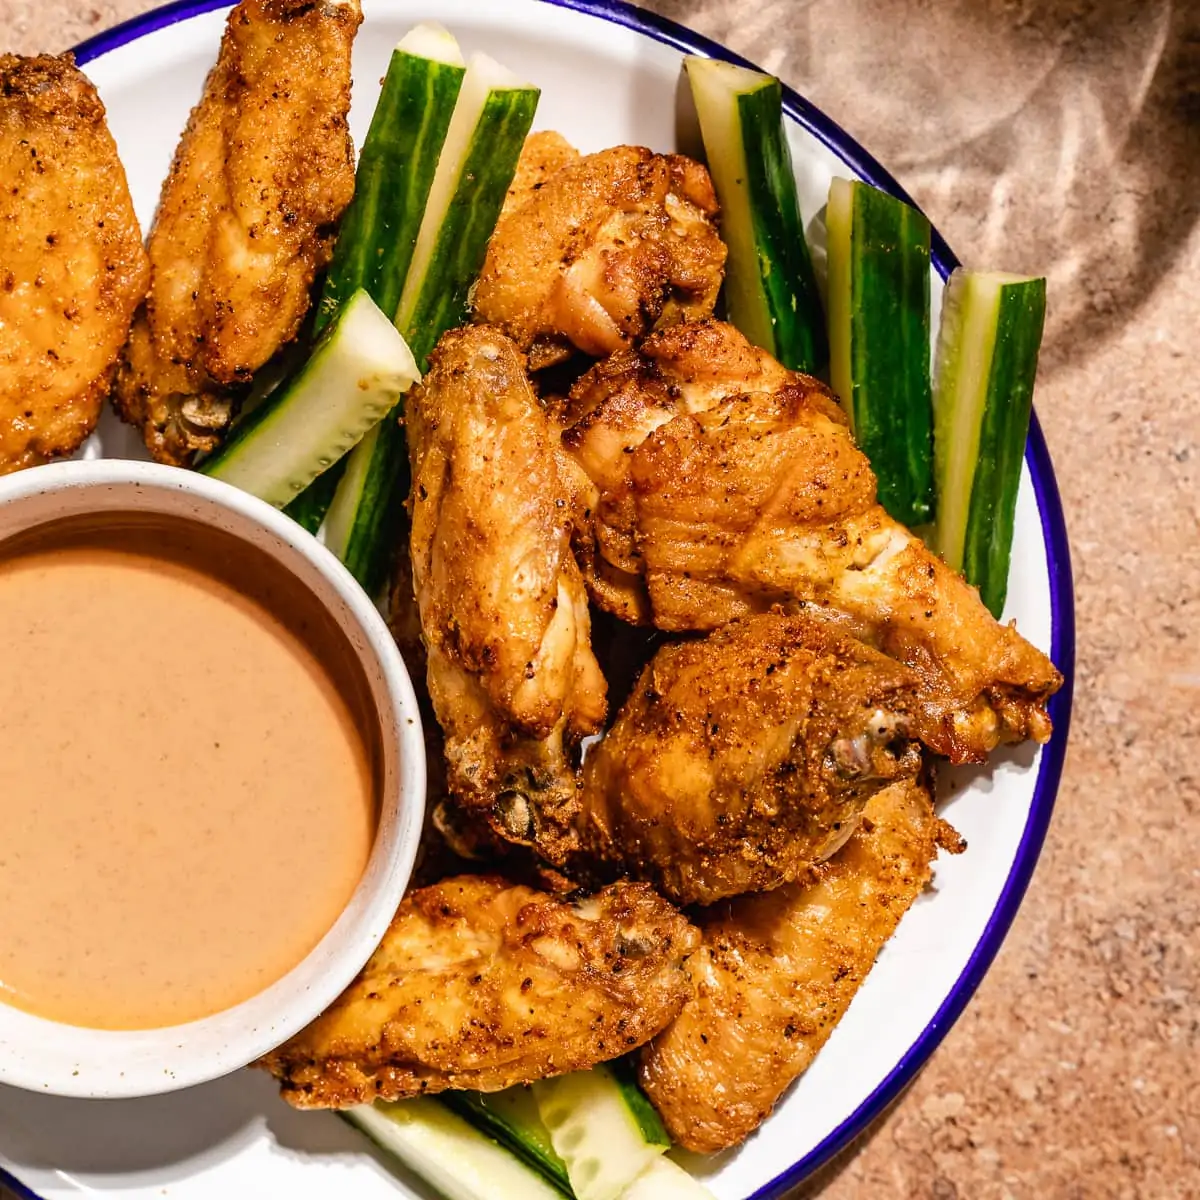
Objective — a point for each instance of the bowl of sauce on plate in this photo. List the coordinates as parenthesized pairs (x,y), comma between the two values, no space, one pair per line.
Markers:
(211,778)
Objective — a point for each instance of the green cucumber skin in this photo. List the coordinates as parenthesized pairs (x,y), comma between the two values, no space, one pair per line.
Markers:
(379,229)
(889,351)
(398,159)
(473,1107)
(442,304)
(375,535)
(784,263)
(653,1131)
(1002,437)
(443,301)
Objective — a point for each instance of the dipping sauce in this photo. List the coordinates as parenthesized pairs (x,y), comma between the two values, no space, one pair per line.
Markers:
(187,796)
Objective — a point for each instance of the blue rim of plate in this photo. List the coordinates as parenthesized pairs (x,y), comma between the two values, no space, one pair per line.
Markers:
(1054,533)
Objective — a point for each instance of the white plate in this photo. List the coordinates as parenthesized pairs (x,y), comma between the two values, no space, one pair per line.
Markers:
(609,73)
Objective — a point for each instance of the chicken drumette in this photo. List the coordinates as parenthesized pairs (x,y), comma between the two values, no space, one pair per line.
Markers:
(744,758)
(593,251)
(480,983)
(246,220)
(724,485)
(503,609)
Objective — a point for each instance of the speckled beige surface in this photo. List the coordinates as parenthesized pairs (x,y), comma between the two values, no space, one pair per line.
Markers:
(1061,135)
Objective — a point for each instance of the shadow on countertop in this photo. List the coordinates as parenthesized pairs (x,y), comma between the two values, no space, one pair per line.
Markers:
(1059,137)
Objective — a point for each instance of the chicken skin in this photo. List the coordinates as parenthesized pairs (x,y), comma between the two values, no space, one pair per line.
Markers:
(246,219)
(777,971)
(483,984)
(454,840)
(742,759)
(593,251)
(725,485)
(72,265)
(502,604)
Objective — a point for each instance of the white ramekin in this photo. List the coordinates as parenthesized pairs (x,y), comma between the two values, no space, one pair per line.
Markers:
(47,1056)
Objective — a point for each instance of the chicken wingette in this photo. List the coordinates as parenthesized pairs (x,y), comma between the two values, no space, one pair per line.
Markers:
(724,485)
(742,759)
(72,265)
(480,983)
(502,605)
(777,971)
(245,221)
(593,251)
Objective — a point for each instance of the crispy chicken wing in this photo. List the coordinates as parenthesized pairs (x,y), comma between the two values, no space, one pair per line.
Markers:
(502,605)
(777,972)
(483,984)
(742,759)
(725,485)
(246,220)
(593,251)
(454,839)
(72,266)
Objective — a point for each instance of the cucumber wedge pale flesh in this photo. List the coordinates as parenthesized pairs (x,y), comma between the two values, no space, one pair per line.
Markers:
(770,288)
(986,362)
(666,1180)
(602,1127)
(879,335)
(351,380)
(491,119)
(448,1153)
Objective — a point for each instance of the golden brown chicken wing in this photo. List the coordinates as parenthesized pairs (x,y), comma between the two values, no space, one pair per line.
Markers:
(777,972)
(742,759)
(246,220)
(725,485)
(502,605)
(72,266)
(454,840)
(483,984)
(594,251)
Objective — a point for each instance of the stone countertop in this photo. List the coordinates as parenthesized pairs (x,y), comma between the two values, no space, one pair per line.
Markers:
(1061,136)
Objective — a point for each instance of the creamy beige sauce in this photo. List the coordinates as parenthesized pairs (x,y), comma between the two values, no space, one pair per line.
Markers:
(186,802)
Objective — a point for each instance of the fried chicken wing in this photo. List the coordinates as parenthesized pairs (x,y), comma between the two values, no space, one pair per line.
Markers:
(483,984)
(246,219)
(593,251)
(454,839)
(742,759)
(72,265)
(502,605)
(725,485)
(777,971)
